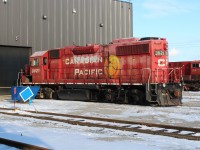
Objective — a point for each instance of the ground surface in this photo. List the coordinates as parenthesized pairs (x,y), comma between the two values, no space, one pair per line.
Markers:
(62,136)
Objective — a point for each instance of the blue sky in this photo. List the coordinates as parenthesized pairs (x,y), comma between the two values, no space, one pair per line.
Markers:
(176,20)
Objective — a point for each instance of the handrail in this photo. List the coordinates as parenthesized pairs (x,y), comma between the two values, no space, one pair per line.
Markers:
(173,73)
(148,81)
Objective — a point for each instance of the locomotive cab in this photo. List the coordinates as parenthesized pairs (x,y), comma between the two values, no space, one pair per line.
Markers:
(36,71)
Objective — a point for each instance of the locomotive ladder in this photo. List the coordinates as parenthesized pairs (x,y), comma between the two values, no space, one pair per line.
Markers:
(153,93)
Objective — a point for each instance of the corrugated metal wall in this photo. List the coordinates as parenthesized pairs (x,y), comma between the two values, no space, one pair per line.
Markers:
(23,23)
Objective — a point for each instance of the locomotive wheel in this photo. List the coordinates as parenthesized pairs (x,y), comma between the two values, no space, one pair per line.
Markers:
(136,97)
(105,96)
(120,99)
(48,93)
(100,96)
(133,99)
(40,95)
(109,97)
(55,95)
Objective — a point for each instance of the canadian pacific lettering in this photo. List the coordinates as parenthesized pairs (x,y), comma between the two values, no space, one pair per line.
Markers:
(83,60)
(88,72)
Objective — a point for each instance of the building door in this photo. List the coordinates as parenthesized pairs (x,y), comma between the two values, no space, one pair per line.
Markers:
(12,59)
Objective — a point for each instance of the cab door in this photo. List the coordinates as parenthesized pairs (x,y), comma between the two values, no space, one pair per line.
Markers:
(36,70)
(45,68)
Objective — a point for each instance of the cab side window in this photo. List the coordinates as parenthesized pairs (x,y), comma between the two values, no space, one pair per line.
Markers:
(44,61)
(195,65)
(35,62)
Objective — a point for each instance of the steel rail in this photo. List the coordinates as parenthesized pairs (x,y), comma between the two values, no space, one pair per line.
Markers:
(20,145)
(113,120)
(126,127)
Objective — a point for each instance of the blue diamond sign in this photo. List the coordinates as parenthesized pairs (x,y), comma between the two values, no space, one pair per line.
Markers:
(26,94)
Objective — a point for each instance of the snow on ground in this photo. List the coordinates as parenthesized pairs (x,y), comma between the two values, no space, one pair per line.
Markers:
(61,136)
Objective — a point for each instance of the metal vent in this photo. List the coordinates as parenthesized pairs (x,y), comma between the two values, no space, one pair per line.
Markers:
(132,49)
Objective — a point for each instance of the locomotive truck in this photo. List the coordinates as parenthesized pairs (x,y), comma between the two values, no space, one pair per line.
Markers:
(190,73)
(131,70)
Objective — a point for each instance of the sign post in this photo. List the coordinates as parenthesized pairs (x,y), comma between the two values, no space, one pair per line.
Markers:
(15,91)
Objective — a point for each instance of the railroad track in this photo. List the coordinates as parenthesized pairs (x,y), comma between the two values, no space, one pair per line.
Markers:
(20,145)
(140,127)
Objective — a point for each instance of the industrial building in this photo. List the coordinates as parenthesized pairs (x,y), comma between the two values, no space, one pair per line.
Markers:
(27,26)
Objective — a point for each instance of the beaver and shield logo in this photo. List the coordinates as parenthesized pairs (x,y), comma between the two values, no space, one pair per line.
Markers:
(112,66)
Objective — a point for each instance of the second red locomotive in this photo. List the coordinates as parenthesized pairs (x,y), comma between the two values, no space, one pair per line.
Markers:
(190,73)
(127,71)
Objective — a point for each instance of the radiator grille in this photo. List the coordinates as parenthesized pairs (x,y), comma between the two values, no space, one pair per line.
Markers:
(132,49)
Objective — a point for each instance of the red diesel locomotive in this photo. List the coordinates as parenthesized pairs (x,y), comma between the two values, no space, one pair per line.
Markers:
(126,71)
(190,73)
